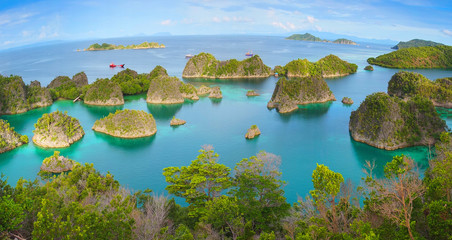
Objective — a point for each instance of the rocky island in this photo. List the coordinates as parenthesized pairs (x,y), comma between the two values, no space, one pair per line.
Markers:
(408,84)
(416,43)
(252,132)
(312,38)
(57,163)
(288,94)
(176,122)
(203,90)
(104,92)
(57,130)
(189,91)
(391,123)
(127,124)
(327,67)
(252,93)
(204,65)
(416,57)
(10,139)
(131,82)
(347,100)
(165,90)
(215,92)
(106,46)
(63,87)
(369,68)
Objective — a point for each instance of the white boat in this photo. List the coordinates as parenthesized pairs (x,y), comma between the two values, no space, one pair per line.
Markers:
(189,56)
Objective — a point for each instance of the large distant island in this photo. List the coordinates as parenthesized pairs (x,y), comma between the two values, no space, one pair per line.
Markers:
(107,46)
(416,57)
(312,38)
(416,43)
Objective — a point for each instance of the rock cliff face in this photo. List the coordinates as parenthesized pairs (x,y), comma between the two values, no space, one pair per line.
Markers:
(327,67)
(57,130)
(408,84)
(16,97)
(390,123)
(188,91)
(127,124)
(57,164)
(204,65)
(80,79)
(215,92)
(203,90)
(165,90)
(64,87)
(10,139)
(347,100)
(252,132)
(288,94)
(104,92)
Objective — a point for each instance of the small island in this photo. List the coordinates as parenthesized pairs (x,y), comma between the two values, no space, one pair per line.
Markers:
(19,98)
(176,122)
(203,90)
(408,84)
(104,92)
(205,65)
(10,139)
(311,38)
(416,43)
(416,57)
(347,100)
(215,92)
(252,93)
(369,68)
(288,94)
(391,123)
(57,164)
(252,132)
(57,130)
(107,46)
(127,124)
(327,67)
(131,82)
(165,90)
(189,91)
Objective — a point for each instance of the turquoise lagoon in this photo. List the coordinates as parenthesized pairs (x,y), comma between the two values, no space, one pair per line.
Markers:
(316,133)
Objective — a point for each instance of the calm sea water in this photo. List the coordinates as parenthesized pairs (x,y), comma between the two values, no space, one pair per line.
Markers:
(316,133)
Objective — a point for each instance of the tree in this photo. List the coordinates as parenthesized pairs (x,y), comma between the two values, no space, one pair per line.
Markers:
(203,180)
(394,196)
(259,191)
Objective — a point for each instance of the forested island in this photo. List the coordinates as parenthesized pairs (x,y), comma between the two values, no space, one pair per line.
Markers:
(327,67)
(205,65)
(127,124)
(416,57)
(288,94)
(222,203)
(416,43)
(57,163)
(63,87)
(10,139)
(107,46)
(312,38)
(104,92)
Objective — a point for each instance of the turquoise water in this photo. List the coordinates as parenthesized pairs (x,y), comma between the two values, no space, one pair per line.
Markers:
(316,133)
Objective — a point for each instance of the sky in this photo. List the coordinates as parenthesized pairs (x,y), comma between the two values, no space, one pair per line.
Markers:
(24,22)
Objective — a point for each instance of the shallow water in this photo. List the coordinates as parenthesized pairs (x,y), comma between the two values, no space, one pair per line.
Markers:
(316,133)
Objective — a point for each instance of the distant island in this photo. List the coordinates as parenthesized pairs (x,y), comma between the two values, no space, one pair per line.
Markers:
(416,57)
(312,38)
(107,46)
(416,43)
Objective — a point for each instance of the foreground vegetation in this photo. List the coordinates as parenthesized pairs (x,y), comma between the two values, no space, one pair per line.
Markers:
(247,203)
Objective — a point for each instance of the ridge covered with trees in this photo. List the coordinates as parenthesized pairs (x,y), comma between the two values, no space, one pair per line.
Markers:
(107,46)
(312,38)
(416,43)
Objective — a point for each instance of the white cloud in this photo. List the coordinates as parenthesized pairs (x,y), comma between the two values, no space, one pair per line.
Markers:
(288,26)
(216,19)
(447,32)
(7,42)
(167,22)
(311,19)
(318,28)
(231,19)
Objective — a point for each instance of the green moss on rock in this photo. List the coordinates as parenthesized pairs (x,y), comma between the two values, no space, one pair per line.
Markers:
(104,92)
(57,163)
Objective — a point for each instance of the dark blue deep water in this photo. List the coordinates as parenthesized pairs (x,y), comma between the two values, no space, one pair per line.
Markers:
(316,133)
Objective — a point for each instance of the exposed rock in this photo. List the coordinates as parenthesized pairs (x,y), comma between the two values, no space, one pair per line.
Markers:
(10,139)
(290,93)
(35,83)
(203,90)
(158,71)
(37,96)
(57,130)
(127,72)
(62,87)
(57,163)
(204,65)
(369,68)
(408,84)
(252,132)
(390,123)
(59,81)
(327,67)
(188,91)
(215,92)
(347,100)
(13,97)
(104,92)
(80,79)
(165,90)
(252,93)
(177,122)
(127,124)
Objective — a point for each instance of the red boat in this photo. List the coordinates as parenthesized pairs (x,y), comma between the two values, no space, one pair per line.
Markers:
(112,65)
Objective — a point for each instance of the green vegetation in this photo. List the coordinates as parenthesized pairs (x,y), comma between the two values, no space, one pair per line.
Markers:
(64,87)
(12,95)
(127,124)
(104,92)
(369,68)
(344,41)
(106,46)
(407,84)
(132,83)
(390,123)
(247,203)
(9,138)
(56,164)
(416,43)
(329,66)
(312,38)
(416,57)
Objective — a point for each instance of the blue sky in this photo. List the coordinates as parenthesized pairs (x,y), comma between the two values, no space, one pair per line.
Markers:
(29,21)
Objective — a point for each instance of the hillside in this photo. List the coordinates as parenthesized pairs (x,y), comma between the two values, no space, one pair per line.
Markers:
(416,43)
(311,38)
(107,46)
(10,139)
(104,92)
